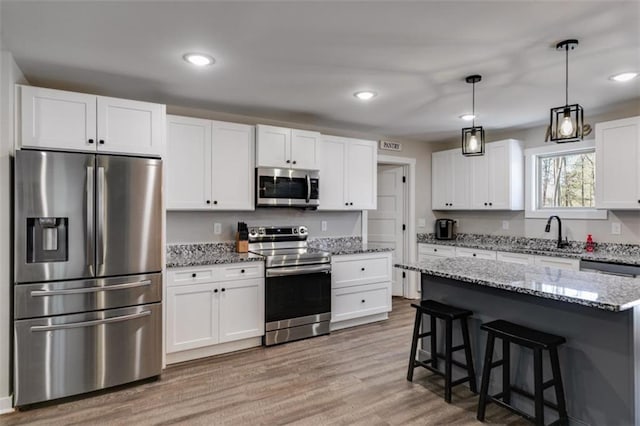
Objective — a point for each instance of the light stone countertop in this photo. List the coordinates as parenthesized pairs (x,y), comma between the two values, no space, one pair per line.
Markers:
(606,292)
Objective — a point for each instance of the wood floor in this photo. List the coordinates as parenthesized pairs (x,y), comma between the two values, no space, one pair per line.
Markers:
(354,376)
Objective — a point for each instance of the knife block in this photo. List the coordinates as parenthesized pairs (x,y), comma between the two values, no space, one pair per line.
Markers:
(242,246)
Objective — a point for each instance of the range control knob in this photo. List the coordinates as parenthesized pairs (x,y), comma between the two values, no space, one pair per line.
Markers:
(302,230)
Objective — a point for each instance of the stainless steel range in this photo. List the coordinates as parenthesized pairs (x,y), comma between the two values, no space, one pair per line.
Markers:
(298,283)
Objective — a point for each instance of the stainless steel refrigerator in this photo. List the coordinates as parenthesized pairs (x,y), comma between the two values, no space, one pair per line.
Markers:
(87,272)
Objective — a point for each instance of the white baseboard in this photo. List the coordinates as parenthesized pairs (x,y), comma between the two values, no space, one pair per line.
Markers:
(6,404)
(359,321)
(175,357)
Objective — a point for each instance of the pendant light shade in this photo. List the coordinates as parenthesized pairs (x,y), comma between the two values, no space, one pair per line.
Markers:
(567,121)
(473,137)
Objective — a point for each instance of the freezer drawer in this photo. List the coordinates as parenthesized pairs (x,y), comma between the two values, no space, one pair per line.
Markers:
(68,355)
(69,297)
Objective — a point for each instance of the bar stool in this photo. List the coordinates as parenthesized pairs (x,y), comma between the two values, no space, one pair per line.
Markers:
(447,313)
(530,338)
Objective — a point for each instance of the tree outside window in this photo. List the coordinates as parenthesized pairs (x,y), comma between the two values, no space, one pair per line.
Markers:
(566,180)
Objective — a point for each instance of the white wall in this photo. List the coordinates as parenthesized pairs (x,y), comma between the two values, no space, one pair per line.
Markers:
(491,222)
(10,74)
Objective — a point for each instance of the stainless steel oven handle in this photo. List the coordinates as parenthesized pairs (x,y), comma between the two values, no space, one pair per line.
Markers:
(308,187)
(90,323)
(41,293)
(283,272)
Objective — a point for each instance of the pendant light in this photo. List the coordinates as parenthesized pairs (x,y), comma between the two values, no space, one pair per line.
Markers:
(473,137)
(567,121)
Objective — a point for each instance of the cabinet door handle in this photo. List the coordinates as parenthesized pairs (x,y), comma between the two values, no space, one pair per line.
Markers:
(288,161)
(350,204)
(435,249)
(101,141)
(294,161)
(215,290)
(242,271)
(223,289)
(346,204)
(485,204)
(193,275)
(362,269)
(474,255)
(208,201)
(90,141)
(490,204)
(215,202)
(362,301)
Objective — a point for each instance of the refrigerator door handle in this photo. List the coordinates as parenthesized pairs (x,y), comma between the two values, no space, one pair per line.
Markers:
(100,216)
(41,293)
(90,218)
(89,323)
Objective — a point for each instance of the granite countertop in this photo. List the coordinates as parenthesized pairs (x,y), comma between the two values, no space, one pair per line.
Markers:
(601,291)
(181,255)
(628,254)
(346,245)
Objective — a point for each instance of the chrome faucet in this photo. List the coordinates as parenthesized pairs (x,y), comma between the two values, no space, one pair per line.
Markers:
(561,243)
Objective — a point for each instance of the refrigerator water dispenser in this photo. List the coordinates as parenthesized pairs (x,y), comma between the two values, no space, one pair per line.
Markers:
(47,239)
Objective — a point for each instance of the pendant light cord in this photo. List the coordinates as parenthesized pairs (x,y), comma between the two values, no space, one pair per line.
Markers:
(473,105)
(566,77)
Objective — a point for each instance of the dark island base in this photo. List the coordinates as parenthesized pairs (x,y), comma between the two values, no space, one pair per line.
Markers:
(598,366)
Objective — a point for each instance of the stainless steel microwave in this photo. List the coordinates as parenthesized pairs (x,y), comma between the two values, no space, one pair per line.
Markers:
(287,188)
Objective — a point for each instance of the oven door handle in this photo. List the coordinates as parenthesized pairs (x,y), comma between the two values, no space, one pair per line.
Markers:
(298,270)
(308,187)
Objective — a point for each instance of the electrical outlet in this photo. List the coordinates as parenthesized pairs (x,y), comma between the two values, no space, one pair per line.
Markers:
(422,222)
(615,228)
(505,224)
(217,228)
(456,222)
(323,225)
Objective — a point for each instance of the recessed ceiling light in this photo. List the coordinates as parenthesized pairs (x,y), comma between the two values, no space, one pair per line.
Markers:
(365,95)
(625,76)
(468,117)
(198,59)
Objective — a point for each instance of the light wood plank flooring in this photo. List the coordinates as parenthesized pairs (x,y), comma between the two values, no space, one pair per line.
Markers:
(352,377)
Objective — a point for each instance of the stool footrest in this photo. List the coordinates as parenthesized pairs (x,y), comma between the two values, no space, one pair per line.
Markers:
(453,361)
(503,404)
(423,335)
(548,384)
(460,381)
(457,348)
(497,364)
(529,395)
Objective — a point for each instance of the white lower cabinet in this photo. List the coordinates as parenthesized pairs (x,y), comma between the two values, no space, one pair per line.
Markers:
(558,262)
(360,289)
(523,259)
(208,306)
(479,254)
(434,251)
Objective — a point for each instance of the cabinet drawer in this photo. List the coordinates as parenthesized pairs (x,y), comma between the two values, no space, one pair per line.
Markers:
(184,276)
(558,262)
(524,259)
(436,250)
(240,271)
(357,270)
(479,254)
(359,301)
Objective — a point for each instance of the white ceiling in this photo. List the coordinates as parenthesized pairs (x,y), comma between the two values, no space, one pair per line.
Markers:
(302,61)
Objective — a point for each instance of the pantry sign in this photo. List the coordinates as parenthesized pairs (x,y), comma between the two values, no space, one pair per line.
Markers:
(390,146)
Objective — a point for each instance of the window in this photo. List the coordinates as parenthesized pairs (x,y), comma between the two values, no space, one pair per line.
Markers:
(560,179)
(566,180)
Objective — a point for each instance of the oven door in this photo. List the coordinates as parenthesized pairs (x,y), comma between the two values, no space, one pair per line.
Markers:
(296,292)
(285,187)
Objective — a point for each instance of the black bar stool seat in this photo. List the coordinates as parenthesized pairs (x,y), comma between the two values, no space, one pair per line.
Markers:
(448,314)
(537,341)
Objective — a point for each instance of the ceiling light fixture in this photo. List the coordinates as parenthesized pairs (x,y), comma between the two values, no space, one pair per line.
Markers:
(473,137)
(567,121)
(198,59)
(467,117)
(624,76)
(365,95)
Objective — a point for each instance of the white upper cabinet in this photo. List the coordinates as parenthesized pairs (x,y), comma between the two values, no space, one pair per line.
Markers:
(450,171)
(130,127)
(493,181)
(209,165)
(188,163)
(348,175)
(282,147)
(618,164)
(56,119)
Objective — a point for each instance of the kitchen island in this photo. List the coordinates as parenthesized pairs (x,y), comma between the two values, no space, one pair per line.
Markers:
(598,314)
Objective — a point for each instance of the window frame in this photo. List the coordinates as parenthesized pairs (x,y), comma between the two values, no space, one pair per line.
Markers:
(531,182)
